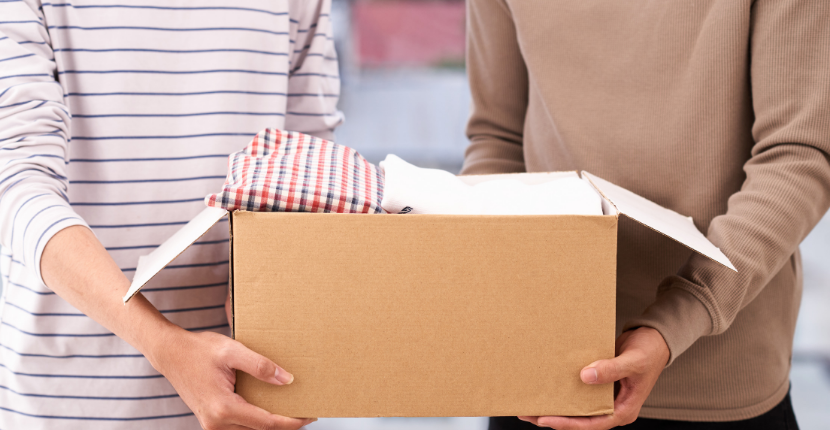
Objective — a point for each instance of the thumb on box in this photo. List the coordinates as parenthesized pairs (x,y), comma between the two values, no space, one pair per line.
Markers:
(608,371)
(258,366)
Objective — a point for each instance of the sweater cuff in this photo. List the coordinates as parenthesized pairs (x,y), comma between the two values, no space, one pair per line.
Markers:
(678,314)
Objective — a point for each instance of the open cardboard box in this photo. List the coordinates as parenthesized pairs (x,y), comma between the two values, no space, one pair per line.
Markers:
(429,315)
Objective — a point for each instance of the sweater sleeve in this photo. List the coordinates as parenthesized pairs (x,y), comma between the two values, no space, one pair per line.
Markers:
(787,185)
(314,79)
(34,130)
(499,83)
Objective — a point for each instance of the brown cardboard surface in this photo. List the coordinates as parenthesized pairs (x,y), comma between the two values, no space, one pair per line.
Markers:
(426,315)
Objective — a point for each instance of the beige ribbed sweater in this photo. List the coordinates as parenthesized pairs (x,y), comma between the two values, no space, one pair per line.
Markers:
(717,109)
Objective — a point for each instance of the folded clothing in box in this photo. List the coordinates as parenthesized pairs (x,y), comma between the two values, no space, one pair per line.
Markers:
(283,171)
(286,171)
(413,190)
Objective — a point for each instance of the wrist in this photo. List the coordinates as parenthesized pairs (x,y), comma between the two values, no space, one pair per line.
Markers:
(160,341)
(659,345)
(678,314)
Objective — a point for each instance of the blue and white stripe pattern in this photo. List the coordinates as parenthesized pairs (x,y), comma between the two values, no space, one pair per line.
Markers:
(120,115)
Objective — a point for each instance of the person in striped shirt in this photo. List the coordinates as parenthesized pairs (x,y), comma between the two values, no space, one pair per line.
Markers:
(116,119)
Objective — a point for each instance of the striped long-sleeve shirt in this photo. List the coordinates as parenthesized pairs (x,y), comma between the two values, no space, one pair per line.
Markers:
(120,115)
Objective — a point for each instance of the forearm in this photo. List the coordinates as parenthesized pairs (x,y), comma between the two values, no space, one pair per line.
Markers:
(787,186)
(76,266)
(491,155)
(200,366)
(785,195)
(499,86)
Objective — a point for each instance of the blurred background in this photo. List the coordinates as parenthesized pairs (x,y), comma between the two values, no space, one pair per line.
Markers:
(404,91)
(403,86)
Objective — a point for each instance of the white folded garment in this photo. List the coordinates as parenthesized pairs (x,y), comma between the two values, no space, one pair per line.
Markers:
(411,189)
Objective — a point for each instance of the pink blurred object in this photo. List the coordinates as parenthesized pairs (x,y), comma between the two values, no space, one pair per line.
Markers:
(409,33)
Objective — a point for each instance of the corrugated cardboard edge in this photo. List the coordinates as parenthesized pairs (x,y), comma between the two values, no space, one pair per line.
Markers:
(683,231)
(608,207)
(230,274)
(150,265)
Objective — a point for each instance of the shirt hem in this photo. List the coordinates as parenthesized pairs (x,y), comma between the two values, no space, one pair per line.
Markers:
(718,415)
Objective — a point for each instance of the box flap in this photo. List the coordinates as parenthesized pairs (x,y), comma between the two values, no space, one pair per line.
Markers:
(665,221)
(151,264)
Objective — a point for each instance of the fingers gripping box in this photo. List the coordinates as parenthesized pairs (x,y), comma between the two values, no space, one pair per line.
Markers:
(429,315)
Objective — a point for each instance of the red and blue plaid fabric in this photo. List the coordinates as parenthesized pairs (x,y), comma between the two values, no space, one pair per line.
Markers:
(286,171)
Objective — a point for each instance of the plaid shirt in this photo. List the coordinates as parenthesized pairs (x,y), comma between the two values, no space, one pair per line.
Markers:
(286,171)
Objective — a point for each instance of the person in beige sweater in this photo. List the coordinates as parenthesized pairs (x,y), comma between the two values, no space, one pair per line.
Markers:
(717,109)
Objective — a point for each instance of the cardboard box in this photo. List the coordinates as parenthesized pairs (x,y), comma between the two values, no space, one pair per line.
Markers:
(429,315)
